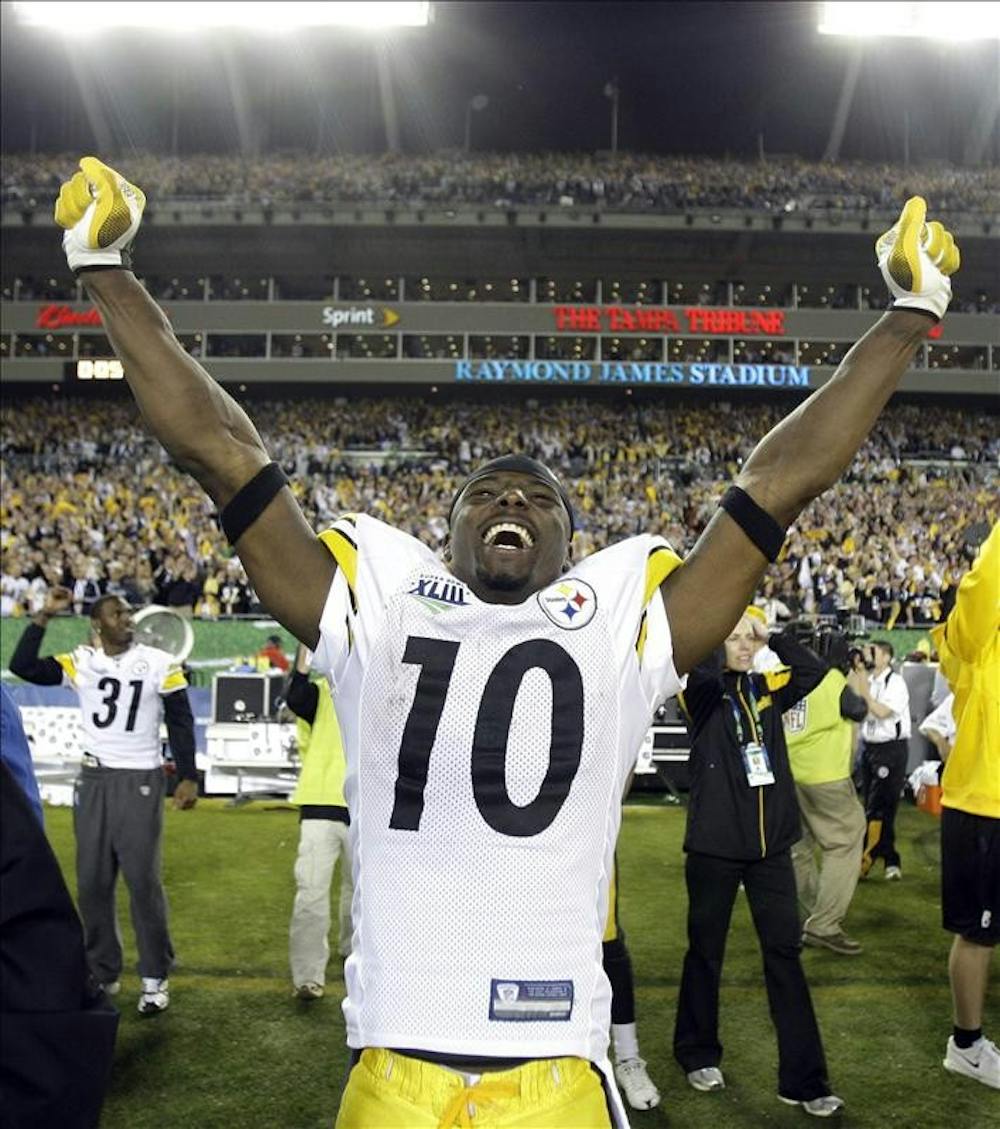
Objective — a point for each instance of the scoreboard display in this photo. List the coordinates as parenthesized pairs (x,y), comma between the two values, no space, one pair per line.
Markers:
(92,369)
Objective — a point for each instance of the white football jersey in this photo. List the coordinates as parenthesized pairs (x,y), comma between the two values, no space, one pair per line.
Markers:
(120,704)
(487,749)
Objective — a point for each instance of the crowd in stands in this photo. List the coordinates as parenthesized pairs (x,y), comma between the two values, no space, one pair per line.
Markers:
(626,181)
(90,501)
(782,293)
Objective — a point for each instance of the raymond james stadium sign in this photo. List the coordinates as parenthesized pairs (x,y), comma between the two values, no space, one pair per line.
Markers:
(631,372)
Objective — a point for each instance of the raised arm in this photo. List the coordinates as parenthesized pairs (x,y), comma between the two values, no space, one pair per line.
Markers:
(202,428)
(25,661)
(806,670)
(807,452)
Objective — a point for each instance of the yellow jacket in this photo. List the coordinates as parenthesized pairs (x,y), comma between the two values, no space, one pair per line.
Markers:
(969,648)
(321,781)
(820,741)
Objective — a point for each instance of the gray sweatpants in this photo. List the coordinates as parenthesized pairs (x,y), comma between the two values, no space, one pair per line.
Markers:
(118,820)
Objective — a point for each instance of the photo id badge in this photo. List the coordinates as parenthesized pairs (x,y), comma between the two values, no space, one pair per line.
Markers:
(757,765)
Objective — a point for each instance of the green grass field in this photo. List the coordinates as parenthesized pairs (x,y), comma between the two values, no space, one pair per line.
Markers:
(235,1051)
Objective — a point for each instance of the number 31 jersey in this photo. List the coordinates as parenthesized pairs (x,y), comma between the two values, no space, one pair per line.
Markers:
(120,706)
(487,749)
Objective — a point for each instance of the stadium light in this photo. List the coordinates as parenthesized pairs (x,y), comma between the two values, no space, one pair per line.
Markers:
(262,15)
(612,92)
(476,104)
(951,20)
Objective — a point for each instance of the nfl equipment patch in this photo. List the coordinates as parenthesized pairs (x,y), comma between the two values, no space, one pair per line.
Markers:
(794,720)
(519,1001)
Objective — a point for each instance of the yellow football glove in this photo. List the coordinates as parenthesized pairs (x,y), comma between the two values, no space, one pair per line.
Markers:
(101,212)
(916,259)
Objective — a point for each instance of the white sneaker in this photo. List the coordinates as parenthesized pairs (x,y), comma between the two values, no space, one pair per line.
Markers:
(308,991)
(640,1093)
(155,996)
(980,1061)
(706,1079)
(893,874)
(112,988)
(825,1106)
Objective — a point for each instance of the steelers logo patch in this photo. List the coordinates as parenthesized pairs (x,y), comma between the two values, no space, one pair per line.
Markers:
(570,604)
(140,667)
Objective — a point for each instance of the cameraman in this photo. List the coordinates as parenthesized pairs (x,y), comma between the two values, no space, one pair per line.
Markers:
(884,751)
(820,738)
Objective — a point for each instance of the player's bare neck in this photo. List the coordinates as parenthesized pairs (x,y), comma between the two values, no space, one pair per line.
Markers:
(490,593)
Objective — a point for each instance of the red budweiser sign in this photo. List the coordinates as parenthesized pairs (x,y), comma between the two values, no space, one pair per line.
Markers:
(65,317)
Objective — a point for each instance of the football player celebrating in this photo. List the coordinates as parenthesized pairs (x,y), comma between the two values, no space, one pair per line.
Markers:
(125,689)
(492,702)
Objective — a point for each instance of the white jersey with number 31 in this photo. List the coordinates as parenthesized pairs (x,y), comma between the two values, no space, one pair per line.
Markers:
(120,706)
(487,749)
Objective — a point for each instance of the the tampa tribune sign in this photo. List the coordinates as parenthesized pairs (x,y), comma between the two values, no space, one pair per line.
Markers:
(631,372)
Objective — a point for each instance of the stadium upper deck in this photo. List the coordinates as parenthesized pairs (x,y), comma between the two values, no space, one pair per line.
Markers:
(626,182)
(447,268)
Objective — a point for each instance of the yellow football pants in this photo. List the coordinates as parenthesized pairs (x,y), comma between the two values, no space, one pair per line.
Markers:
(387,1090)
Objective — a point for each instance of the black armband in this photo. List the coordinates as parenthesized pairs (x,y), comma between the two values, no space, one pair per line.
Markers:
(756,523)
(250,501)
(125,264)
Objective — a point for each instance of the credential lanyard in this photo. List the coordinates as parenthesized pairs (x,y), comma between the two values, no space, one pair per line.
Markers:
(758,729)
(756,762)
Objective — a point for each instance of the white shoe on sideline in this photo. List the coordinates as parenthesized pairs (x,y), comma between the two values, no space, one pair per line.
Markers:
(980,1061)
(308,991)
(637,1086)
(155,996)
(707,1079)
(825,1106)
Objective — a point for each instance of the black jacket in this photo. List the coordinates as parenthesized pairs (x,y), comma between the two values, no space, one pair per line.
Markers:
(57,1029)
(726,816)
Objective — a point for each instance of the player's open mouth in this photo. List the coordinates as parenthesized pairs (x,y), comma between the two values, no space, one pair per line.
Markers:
(508,536)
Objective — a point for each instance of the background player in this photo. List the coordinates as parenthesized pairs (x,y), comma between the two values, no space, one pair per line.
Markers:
(502,621)
(125,689)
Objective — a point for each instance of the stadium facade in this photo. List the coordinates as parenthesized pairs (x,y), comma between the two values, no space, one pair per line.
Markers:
(742,302)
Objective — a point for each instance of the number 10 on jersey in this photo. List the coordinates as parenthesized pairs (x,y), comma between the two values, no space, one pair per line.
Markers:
(488,756)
